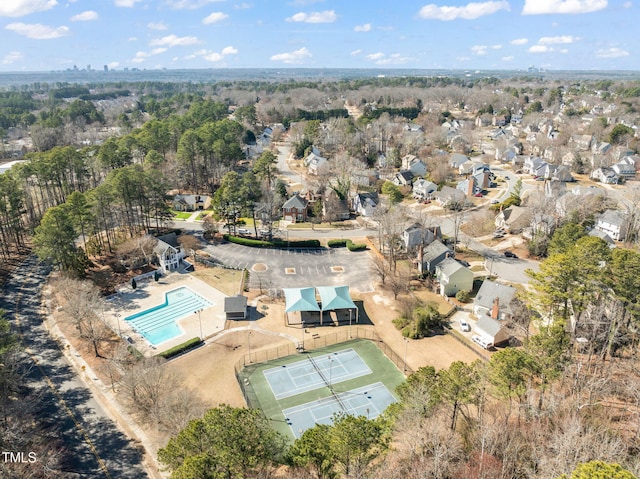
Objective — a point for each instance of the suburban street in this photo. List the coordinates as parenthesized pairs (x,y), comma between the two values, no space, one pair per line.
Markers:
(93,445)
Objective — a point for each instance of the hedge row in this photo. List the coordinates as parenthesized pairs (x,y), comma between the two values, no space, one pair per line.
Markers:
(181,348)
(276,243)
(351,246)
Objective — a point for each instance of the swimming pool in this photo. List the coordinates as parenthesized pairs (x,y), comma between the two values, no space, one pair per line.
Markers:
(158,324)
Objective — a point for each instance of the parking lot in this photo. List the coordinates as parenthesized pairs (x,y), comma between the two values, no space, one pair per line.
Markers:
(297,268)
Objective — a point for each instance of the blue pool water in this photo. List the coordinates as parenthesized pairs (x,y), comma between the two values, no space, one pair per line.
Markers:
(158,324)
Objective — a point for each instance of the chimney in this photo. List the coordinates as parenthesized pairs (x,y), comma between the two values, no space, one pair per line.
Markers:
(471,185)
(495,311)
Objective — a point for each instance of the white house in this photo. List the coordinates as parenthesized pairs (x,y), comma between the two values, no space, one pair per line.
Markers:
(364,204)
(606,175)
(626,167)
(423,189)
(453,277)
(169,253)
(614,223)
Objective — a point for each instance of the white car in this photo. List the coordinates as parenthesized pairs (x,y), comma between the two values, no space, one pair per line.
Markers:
(482,342)
(464,326)
(244,231)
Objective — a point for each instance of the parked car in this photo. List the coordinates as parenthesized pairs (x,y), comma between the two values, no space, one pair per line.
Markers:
(482,342)
(494,201)
(464,326)
(509,254)
(244,231)
(498,235)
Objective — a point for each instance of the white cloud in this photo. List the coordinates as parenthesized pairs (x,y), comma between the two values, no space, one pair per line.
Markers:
(189,4)
(12,57)
(157,26)
(85,16)
(540,49)
(468,12)
(213,57)
(375,56)
(362,28)
(519,41)
(562,39)
(142,56)
(327,16)
(174,41)
(627,4)
(20,8)
(126,3)
(510,58)
(355,53)
(539,7)
(496,47)
(613,52)
(297,56)
(479,49)
(38,31)
(393,59)
(242,6)
(229,50)
(214,18)
(112,65)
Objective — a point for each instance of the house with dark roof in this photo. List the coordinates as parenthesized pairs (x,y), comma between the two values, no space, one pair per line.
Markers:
(365,204)
(403,178)
(191,202)
(295,209)
(432,255)
(168,253)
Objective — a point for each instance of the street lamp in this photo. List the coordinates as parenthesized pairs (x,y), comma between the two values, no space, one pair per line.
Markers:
(330,371)
(199,322)
(406,346)
(117,315)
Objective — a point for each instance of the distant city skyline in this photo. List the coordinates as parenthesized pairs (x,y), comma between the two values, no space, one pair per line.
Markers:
(52,35)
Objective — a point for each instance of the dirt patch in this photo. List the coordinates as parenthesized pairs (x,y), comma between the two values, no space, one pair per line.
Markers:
(225,280)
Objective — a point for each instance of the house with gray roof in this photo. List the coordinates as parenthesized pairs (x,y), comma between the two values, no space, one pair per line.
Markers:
(190,202)
(453,277)
(168,253)
(295,209)
(492,330)
(615,223)
(424,189)
(494,300)
(432,255)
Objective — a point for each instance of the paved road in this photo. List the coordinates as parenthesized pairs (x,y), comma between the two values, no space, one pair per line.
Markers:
(297,268)
(94,446)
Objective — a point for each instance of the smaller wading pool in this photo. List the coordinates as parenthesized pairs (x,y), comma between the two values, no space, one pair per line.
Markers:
(158,324)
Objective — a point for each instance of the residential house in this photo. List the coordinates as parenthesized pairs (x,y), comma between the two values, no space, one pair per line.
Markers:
(453,277)
(365,204)
(483,120)
(417,235)
(235,307)
(418,167)
(367,177)
(494,299)
(448,197)
(514,219)
(625,168)
(423,189)
(615,223)
(403,178)
(295,209)
(169,253)
(315,163)
(499,120)
(542,225)
(465,167)
(554,188)
(491,330)
(582,142)
(469,186)
(603,236)
(334,208)
(606,175)
(191,202)
(432,255)
(456,159)
(563,174)
(531,164)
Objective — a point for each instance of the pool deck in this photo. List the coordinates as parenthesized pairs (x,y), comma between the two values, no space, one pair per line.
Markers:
(129,301)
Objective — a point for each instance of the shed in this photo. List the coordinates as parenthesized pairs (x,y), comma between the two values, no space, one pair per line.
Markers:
(235,307)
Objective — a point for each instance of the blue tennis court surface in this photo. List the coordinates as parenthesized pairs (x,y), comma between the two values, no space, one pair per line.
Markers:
(369,401)
(315,372)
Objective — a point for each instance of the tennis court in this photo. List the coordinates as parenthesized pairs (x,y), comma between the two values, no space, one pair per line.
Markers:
(298,391)
(369,401)
(312,373)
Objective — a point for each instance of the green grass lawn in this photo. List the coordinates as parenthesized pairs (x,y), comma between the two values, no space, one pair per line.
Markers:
(181,215)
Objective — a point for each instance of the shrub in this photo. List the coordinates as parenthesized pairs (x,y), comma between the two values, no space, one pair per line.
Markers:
(463,296)
(351,246)
(337,243)
(181,348)
(400,323)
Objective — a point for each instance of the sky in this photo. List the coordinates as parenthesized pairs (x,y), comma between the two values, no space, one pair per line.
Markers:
(45,35)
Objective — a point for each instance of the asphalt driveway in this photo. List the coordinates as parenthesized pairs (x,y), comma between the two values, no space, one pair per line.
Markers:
(298,268)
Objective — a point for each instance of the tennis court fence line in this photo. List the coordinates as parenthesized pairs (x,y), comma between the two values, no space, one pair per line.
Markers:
(310,344)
